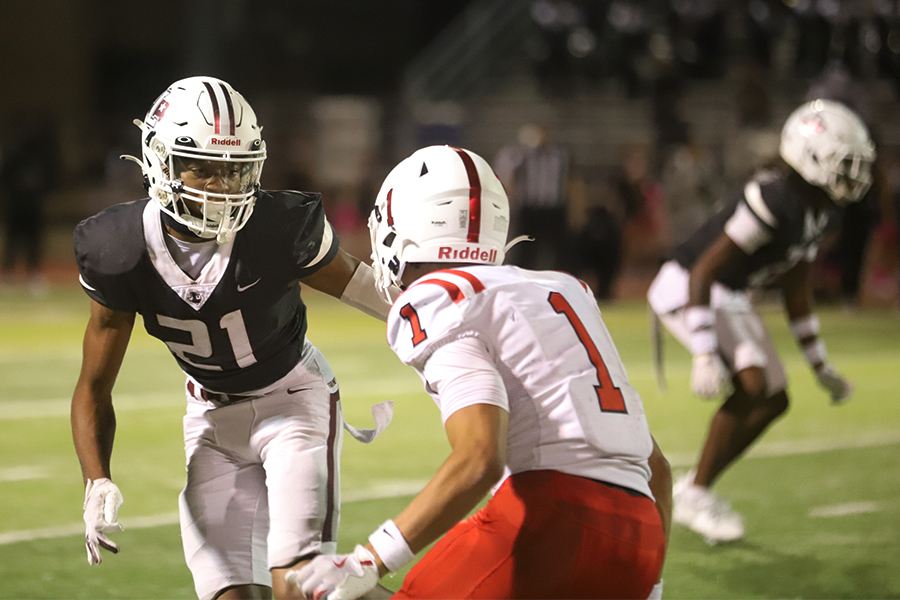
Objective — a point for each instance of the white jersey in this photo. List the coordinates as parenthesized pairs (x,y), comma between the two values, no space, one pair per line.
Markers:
(570,405)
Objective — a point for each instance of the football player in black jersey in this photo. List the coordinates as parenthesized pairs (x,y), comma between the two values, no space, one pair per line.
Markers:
(765,238)
(213,264)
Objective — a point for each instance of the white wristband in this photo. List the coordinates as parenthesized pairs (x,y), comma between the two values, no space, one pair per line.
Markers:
(815,353)
(391,546)
(701,323)
(805,327)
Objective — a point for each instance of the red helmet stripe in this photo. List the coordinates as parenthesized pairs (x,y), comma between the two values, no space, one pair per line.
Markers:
(474,233)
(473,281)
(230,106)
(390,217)
(217,118)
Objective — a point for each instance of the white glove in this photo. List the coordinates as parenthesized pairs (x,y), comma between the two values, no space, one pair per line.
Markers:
(709,376)
(656,592)
(102,500)
(839,388)
(337,577)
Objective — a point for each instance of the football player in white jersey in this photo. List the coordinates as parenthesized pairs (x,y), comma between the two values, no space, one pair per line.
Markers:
(535,402)
(213,264)
(765,238)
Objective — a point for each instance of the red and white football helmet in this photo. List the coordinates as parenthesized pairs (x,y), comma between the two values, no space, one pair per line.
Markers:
(829,145)
(202,118)
(442,204)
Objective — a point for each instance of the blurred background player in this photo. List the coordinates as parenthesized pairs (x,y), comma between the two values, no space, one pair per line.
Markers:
(212,264)
(535,402)
(765,238)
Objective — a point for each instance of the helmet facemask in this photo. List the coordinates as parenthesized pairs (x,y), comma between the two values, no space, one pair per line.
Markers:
(207,213)
(849,179)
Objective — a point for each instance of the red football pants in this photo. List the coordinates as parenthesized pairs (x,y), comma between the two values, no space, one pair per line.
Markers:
(546,534)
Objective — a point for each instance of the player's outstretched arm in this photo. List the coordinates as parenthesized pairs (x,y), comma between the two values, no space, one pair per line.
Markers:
(709,376)
(478,436)
(797,290)
(94,422)
(352,282)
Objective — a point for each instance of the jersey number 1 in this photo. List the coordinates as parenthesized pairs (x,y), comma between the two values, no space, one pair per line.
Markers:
(610,397)
(410,314)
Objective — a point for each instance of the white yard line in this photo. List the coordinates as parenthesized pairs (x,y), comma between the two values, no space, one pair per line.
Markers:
(11,410)
(396,489)
(23,473)
(401,488)
(843,510)
(794,448)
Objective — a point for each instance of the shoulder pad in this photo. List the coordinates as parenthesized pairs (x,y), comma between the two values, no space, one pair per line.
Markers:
(423,318)
(112,241)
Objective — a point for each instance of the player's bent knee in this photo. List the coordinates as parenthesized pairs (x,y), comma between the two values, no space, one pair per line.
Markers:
(779,403)
(752,382)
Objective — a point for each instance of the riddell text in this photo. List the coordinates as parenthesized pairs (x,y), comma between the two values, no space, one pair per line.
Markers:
(221,142)
(447,253)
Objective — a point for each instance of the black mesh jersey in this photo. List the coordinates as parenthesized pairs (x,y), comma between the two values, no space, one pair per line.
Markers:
(240,325)
(773,206)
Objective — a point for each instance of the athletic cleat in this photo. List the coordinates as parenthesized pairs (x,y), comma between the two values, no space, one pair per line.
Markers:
(702,511)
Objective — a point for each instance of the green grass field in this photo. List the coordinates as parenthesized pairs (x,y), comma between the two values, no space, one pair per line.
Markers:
(820,493)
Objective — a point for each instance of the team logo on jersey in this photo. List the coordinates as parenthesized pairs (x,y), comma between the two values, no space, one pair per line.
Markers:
(194,297)
(241,288)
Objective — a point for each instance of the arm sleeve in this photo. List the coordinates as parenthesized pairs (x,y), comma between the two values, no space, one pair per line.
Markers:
(751,225)
(462,373)
(314,241)
(103,264)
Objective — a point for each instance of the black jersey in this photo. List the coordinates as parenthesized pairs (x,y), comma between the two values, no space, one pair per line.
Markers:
(771,222)
(240,325)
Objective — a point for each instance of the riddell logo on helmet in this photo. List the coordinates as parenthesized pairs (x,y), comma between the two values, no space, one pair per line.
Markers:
(473,254)
(225,142)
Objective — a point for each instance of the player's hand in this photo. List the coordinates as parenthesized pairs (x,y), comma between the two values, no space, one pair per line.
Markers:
(102,500)
(337,577)
(709,375)
(839,388)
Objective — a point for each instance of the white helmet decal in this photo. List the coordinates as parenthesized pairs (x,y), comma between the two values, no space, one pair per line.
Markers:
(205,119)
(441,204)
(829,146)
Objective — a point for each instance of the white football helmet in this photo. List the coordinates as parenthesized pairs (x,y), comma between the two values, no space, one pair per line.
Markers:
(829,145)
(442,204)
(202,118)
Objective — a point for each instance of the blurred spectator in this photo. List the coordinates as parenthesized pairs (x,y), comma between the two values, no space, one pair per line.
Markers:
(646,229)
(766,20)
(556,20)
(627,34)
(28,172)
(535,173)
(690,184)
(671,126)
(887,44)
(698,36)
(813,35)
